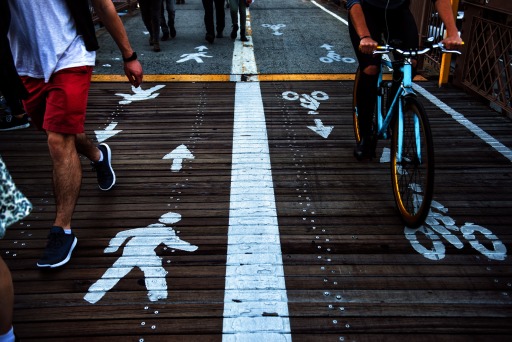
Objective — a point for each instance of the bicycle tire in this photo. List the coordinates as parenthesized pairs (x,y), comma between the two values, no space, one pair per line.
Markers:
(354,107)
(413,178)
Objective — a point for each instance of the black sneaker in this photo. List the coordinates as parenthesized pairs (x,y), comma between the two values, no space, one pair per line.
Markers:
(58,249)
(9,122)
(105,173)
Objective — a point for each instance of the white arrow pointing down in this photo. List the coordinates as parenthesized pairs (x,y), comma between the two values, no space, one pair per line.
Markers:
(320,129)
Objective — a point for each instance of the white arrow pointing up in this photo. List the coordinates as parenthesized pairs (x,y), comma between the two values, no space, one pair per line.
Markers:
(177,155)
(320,129)
(107,132)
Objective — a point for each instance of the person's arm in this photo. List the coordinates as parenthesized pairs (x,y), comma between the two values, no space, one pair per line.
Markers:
(452,40)
(366,43)
(107,13)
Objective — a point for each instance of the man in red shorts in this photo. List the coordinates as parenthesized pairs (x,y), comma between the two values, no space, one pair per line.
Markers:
(53,44)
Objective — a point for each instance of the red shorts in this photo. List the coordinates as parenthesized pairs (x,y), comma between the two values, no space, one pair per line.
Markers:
(59,105)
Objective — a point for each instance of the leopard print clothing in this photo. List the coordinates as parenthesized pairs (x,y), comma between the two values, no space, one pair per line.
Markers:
(13,204)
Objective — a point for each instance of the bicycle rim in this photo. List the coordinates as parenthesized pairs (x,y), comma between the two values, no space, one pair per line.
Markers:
(413,177)
(354,108)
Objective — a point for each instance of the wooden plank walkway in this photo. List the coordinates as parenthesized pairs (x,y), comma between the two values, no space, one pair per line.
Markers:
(351,271)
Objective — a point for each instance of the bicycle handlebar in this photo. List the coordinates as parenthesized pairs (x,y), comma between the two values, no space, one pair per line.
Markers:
(414,52)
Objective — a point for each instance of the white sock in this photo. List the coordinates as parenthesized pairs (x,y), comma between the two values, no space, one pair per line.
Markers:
(101,157)
(8,337)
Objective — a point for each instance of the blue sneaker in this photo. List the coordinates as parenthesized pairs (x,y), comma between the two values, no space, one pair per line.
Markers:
(105,173)
(58,249)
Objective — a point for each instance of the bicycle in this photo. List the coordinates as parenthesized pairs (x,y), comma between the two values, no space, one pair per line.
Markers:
(404,120)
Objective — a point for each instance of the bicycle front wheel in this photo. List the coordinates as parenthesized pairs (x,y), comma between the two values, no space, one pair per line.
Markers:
(412,164)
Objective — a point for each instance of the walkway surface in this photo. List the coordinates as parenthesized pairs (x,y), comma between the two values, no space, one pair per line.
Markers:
(240,214)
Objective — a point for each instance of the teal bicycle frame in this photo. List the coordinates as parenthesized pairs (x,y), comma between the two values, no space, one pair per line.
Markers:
(404,90)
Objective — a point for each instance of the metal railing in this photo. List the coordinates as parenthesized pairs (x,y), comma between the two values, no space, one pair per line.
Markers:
(485,67)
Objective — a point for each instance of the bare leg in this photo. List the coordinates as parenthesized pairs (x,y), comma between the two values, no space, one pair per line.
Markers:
(67,176)
(87,148)
(6,298)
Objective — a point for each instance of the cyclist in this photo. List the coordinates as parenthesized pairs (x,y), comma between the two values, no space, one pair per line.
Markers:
(370,21)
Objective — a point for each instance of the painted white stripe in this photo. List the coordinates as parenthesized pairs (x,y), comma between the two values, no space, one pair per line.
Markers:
(504,150)
(255,298)
(331,13)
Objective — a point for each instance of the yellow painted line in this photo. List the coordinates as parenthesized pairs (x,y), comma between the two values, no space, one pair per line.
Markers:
(226,78)
(164,78)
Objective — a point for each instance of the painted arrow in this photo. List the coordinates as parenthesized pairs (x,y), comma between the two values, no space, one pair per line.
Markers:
(107,132)
(177,155)
(320,129)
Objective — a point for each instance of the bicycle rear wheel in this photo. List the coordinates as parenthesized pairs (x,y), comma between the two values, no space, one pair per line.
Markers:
(412,177)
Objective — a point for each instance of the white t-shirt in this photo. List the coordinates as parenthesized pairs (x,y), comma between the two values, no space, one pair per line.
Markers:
(44,40)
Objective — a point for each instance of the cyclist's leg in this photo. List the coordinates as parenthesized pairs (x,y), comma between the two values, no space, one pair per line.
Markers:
(366,88)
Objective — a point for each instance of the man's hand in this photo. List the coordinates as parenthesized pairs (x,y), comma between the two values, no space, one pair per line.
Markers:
(133,70)
(367,45)
(452,42)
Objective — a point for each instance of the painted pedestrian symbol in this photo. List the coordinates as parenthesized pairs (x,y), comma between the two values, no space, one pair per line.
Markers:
(140,94)
(139,252)
(275,28)
(198,56)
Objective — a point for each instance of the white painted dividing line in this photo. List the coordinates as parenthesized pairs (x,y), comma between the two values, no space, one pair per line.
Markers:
(504,150)
(255,298)
(330,12)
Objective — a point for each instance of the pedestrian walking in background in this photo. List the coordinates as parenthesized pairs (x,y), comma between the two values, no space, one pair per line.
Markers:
(236,7)
(12,114)
(168,29)
(214,25)
(53,44)
(151,12)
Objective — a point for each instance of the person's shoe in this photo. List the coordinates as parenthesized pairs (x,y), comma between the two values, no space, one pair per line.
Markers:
(151,41)
(173,32)
(58,249)
(244,38)
(210,38)
(165,36)
(365,149)
(234,31)
(220,35)
(105,173)
(156,47)
(11,122)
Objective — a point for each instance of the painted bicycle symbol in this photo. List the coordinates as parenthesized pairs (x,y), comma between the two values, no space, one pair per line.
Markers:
(275,28)
(332,56)
(440,225)
(307,101)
